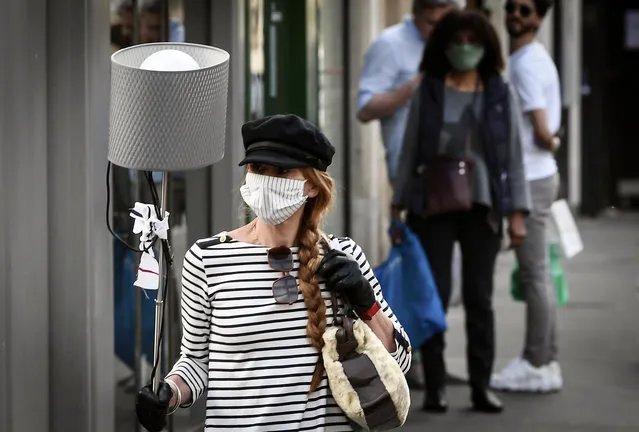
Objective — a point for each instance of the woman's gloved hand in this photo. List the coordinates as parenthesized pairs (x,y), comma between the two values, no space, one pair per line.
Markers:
(343,276)
(152,408)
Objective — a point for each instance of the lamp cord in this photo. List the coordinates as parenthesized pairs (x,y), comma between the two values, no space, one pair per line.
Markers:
(108,215)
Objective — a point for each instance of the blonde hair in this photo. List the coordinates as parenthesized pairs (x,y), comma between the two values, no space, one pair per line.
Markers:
(308,239)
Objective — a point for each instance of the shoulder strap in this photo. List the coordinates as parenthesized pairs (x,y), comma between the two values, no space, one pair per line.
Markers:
(330,242)
(421,132)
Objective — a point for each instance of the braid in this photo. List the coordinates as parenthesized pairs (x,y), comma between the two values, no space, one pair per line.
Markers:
(309,253)
(308,239)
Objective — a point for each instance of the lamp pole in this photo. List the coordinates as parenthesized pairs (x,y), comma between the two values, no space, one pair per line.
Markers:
(159,301)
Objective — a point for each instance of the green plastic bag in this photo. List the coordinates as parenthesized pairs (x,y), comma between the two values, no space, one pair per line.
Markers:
(557,273)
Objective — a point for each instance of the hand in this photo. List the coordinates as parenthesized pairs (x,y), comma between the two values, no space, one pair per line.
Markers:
(551,144)
(343,276)
(395,231)
(418,78)
(396,235)
(409,87)
(151,408)
(517,229)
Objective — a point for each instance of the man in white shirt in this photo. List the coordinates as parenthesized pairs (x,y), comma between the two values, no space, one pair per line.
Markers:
(534,76)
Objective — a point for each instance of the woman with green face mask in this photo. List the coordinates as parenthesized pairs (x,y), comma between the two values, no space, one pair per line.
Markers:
(461,179)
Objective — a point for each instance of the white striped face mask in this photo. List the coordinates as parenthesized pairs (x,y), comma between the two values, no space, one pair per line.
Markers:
(273,199)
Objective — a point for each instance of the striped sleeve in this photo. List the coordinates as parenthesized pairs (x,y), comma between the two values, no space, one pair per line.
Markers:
(192,365)
(403,352)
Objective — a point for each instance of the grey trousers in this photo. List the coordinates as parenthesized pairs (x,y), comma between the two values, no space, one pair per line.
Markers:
(534,269)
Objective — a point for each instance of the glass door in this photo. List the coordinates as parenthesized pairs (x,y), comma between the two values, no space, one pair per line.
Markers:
(295,64)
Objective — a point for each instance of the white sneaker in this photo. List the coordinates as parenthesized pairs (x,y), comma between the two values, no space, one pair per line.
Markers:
(521,376)
(512,367)
(556,379)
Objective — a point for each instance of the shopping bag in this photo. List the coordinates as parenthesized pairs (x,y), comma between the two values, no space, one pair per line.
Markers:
(566,229)
(556,272)
(409,288)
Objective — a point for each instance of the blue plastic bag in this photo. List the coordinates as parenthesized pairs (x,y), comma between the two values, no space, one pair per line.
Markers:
(409,288)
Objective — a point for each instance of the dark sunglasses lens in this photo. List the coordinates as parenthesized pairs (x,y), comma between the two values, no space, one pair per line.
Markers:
(510,8)
(525,11)
(285,290)
(281,259)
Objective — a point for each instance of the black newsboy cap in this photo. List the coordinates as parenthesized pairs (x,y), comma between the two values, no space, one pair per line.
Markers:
(286,141)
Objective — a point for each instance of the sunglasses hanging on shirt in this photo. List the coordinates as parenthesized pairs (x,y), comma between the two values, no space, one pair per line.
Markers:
(285,290)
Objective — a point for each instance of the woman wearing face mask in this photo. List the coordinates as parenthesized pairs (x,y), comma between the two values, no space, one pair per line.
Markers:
(461,174)
(254,300)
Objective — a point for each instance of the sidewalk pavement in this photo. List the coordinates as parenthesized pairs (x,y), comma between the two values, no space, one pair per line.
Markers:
(598,338)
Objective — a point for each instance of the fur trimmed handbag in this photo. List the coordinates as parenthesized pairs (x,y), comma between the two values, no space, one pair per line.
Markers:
(365,380)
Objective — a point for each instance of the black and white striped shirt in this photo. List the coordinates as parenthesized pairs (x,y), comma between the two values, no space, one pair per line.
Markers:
(248,352)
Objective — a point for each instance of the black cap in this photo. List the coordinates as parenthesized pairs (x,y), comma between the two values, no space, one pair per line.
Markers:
(286,141)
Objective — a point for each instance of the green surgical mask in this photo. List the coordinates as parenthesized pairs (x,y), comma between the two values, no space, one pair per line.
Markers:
(465,57)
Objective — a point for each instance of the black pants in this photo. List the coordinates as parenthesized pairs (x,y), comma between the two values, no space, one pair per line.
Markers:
(479,247)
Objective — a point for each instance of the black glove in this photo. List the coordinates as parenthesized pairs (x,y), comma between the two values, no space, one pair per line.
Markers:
(343,276)
(151,408)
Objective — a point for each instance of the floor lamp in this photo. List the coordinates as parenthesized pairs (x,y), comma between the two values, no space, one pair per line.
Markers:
(168,113)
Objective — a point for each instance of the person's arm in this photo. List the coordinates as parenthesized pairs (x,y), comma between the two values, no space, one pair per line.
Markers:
(377,97)
(520,194)
(543,137)
(384,323)
(190,372)
(533,104)
(383,105)
(407,160)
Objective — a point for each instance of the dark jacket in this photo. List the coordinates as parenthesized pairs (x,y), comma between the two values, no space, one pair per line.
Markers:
(501,144)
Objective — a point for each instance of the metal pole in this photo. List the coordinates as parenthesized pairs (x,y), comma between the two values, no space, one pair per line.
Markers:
(135,11)
(159,303)
(169,304)
(136,22)
(138,352)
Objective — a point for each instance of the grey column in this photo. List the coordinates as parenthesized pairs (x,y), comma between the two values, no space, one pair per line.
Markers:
(331,102)
(80,248)
(24,297)
(366,183)
(571,85)
(197,24)
(227,33)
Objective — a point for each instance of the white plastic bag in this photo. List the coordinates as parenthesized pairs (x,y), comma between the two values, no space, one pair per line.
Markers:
(566,229)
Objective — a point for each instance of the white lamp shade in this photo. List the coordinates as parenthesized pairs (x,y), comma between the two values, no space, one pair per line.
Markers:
(168,106)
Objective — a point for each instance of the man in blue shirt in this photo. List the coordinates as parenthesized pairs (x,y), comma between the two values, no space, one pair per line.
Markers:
(390,73)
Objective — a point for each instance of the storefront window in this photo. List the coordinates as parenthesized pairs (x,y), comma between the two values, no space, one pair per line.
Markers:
(255,37)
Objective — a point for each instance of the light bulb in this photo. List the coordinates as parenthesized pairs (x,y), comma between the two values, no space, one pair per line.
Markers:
(169,60)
